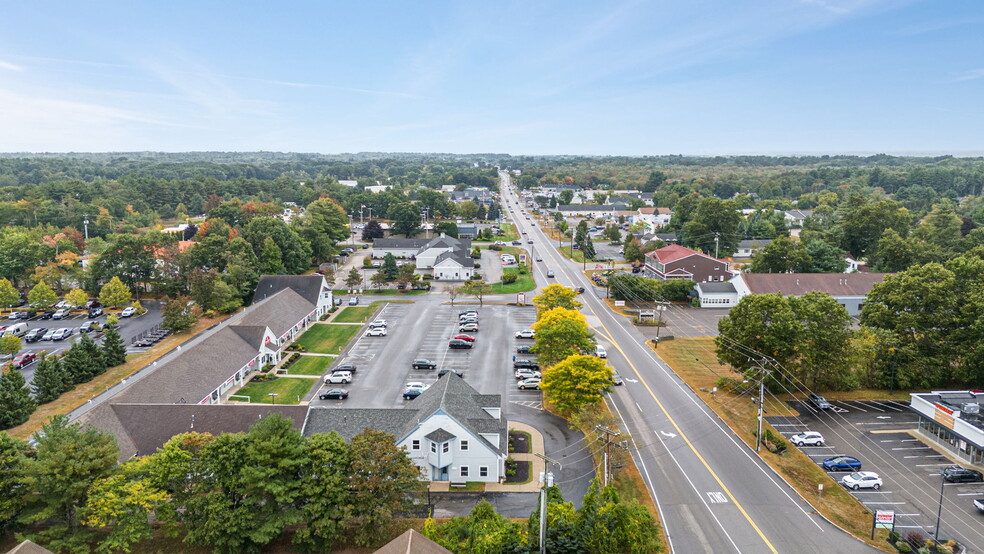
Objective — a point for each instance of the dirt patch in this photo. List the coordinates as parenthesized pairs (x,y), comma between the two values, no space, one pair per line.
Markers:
(519,442)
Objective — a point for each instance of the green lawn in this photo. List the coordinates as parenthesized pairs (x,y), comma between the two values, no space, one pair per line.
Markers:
(356,314)
(328,339)
(565,251)
(310,365)
(523,283)
(289,390)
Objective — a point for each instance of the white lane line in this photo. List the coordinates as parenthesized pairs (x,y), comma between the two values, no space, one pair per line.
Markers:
(872,492)
(931,465)
(890,407)
(885,503)
(856,407)
(914,526)
(911,448)
(968,494)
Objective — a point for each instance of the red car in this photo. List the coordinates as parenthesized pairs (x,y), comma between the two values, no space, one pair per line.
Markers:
(24,359)
(468,338)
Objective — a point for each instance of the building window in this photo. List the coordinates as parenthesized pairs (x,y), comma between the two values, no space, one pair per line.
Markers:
(434,447)
(464,471)
(446,447)
(415,444)
(464,445)
(483,471)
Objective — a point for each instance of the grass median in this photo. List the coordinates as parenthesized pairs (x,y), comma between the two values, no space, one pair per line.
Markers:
(694,360)
(288,390)
(310,365)
(323,338)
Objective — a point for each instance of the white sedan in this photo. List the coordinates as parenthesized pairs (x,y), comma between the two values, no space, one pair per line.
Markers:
(128,312)
(862,480)
(377,332)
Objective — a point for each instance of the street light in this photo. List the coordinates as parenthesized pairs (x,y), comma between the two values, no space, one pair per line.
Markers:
(939,512)
(273,396)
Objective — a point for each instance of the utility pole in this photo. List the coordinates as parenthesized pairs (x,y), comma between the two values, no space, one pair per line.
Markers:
(660,308)
(758,442)
(85,222)
(608,443)
(351,231)
(546,480)
(362,207)
(939,511)
(717,237)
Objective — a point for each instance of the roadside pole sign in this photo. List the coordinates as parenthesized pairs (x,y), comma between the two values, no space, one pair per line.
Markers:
(521,299)
(884,519)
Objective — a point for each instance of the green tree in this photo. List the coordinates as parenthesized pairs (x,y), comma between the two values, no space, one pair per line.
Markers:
(9,345)
(123,503)
(378,280)
(16,404)
(329,218)
(825,344)
(556,296)
(271,258)
(566,196)
(610,524)
(114,293)
(295,251)
(129,257)
(50,379)
(863,222)
(782,255)
(576,382)
(8,294)
(76,298)
(633,288)
(483,531)
(405,217)
(941,227)
(325,483)
(113,349)
(477,288)
(714,219)
(825,257)
(633,251)
(178,314)
(389,268)
(14,480)
(353,279)
(41,296)
(560,333)
(407,276)
(372,230)
(656,178)
(84,360)
(382,481)
(764,323)
(61,488)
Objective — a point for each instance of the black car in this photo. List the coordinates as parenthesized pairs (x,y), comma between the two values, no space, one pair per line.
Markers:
(47,314)
(524,349)
(422,363)
(92,304)
(446,370)
(458,343)
(528,364)
(34,335)
(27,315)
(345,367)
(957,474)
(334,394)
(410,394)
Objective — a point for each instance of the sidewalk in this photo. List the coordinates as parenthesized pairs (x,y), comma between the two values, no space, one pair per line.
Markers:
(536,466)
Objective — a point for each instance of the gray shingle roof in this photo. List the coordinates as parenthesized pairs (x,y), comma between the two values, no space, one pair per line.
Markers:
(753,243)
(586,207)
(308,286)
(439,435)
(412,542)
(349,422)
(716,287)
(458,399)
(463,261)
(399,243)
(279,312)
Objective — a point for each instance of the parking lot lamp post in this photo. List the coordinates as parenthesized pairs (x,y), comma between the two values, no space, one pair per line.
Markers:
(362,207)
(351,231)
(758,442)
(273,396)
(939,511)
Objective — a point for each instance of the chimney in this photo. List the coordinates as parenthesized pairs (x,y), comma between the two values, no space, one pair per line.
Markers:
(797,282)
(442,234)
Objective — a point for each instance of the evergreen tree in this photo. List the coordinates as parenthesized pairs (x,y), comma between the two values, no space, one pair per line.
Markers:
(13,478)
(91,350)
(113,349)
(83,361)
(372,230)
(16,404)
(389,268)
(50,380)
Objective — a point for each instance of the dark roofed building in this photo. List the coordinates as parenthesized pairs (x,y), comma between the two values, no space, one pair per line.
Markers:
(850,290)
(679,262)
(412,542)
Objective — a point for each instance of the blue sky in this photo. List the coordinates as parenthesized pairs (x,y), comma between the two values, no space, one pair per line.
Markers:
(525,77)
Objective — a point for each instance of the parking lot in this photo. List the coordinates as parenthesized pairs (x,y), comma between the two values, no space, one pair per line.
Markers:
(130,328)
(422,330)
(876,433)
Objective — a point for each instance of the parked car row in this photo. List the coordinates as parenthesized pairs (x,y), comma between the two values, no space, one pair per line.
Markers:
(377,328)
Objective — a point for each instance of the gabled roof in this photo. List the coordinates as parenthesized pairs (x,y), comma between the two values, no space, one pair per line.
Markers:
(447,242)
(412,542)
(279,312)
(28,547)
(586,207)
(753,243)
(307,286)
(799,214)
(463,261)
(459,400)
(665,211)
(400,243)
(676,252)
(349,422)
(797,284)
(439,435)
(647,211)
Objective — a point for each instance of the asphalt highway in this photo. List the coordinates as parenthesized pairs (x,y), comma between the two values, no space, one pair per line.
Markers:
(712,491)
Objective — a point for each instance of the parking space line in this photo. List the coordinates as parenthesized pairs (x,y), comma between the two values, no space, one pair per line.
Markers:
(910,448)
(930,465)
(885,503)
(968,494)
(872,492)
(889,406)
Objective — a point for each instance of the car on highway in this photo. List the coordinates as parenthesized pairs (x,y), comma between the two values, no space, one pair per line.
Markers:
(550,274)
(862,480)
(468,328)
(24,359)
(526,334)
(819,401)
(334,394)
(841,463)
(459,344)
(526,374)
(601,352)
(128,311)
(807,438)
(529,241)
(468,338)
(346,367)
(527,384)
(580,290)
(410,394)
(528,364)
(423,363)
(957,474)
(447,370)
(539,259)
(617,379)
(517,243)
(339,377)
(376,332)
(34,335)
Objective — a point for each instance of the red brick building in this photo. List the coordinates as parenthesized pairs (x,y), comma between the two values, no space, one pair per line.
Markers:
(678,262)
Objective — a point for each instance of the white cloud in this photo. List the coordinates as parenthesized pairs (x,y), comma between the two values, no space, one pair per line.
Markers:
(970,75)
(10,66)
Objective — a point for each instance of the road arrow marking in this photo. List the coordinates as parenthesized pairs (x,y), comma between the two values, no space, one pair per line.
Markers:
(632,380)
(665,434)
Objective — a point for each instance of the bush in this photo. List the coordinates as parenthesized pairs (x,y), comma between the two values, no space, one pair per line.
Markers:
(915,539)
(733,385)
(508,278)
(903,547)
(367,262)
(477,265)
(428,277)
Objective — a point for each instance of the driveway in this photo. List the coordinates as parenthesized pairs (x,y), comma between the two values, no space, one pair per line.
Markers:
(491,266)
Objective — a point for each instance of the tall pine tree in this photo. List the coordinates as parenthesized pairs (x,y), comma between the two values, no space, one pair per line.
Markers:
(16,404)
(83,361)
(50,379)
(91,350)
(113,349)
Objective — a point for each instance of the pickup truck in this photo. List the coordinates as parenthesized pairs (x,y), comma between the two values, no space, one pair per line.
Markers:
(979,504)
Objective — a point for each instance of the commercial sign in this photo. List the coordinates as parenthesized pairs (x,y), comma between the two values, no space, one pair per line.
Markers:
(944,416)
(521,299)
(884,519)
(620,302)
